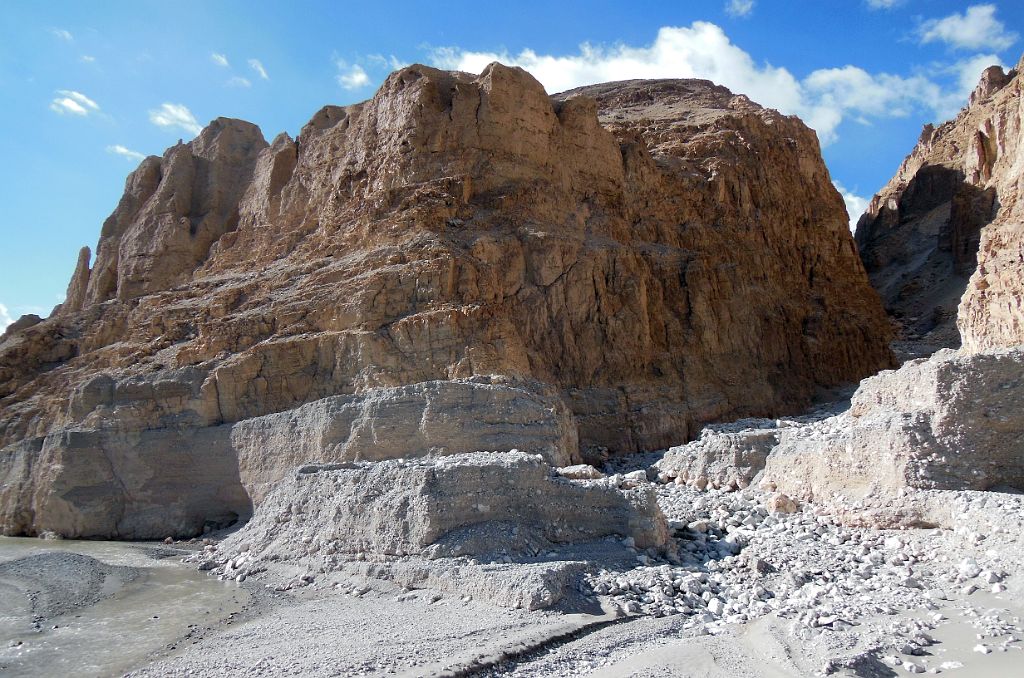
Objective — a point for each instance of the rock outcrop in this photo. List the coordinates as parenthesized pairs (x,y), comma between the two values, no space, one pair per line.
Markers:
(950,422)
(434,507)
(653,254)
(727,456)
(504,527)
(433,418)
(992,310)
(950,215)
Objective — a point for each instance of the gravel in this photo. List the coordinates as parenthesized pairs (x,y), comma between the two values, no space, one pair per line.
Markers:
(755,584)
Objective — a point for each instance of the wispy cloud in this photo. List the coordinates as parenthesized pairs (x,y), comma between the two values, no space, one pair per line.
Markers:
(977,28)
(740,8)
(171,116)
(74,103)
(5,318)
(385,62)
(351,77)
(255,65)
(87,59)
(884,4)
(239,81)
(856,205)
(219,59)
(118,149)
(63,34)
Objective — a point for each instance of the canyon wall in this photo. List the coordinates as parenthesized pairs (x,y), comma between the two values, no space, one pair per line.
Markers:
(947,225)
(634,259)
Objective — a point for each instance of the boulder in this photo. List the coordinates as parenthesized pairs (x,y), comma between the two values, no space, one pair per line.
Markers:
(461,505)
(950,422)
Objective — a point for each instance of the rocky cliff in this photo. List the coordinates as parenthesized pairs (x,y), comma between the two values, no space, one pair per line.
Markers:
(950,215)
(632,259)
(949,222)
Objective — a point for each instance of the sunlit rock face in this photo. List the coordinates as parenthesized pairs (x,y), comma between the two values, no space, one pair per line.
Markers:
(634,258)
(946,231)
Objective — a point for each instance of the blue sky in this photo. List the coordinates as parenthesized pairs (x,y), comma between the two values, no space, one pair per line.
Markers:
(89,88)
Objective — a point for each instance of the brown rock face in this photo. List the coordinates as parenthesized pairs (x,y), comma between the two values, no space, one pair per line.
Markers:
(950,215)
(992,310)
(658,253)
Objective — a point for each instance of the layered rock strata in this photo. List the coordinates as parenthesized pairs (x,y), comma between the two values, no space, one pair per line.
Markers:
(950,215)
(433,521)
(653,254)
(951,422)
(171,480)
(434,418)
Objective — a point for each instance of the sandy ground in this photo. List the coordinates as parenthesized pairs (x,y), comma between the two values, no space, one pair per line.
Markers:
(330,634)
(337,628)
(108,622)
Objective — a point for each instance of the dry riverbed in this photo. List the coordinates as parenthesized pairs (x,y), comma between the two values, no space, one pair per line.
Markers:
(749,592)
(91,608)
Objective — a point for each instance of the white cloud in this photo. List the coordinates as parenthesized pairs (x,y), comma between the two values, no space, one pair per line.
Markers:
(884,4)
(87,59)
(855,205)
(255,65)
(977,28)
(75,103)
(239,81)
(118,149)
(854,90)
(739,7)
(63,34)
(175,115)
(351,77)
(219,59)
(968,72)
(379,60)
(702,50)
(5,318)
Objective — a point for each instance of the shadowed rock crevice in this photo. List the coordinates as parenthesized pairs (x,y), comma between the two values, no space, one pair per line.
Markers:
(941,240)
(921,247)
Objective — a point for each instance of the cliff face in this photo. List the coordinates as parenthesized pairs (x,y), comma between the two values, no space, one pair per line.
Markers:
(992,309)
(950,215)
(641,257)
(949,222)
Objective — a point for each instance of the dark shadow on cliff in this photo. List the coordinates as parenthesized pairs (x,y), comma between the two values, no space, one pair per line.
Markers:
(921,252)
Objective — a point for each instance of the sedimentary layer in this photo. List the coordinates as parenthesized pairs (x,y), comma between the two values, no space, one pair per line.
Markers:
(651,255)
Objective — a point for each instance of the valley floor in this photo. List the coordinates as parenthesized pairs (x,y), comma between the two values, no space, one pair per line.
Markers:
(804,597)
(828,600)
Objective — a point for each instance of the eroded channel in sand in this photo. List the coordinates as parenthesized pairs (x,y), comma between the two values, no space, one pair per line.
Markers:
(157,606)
